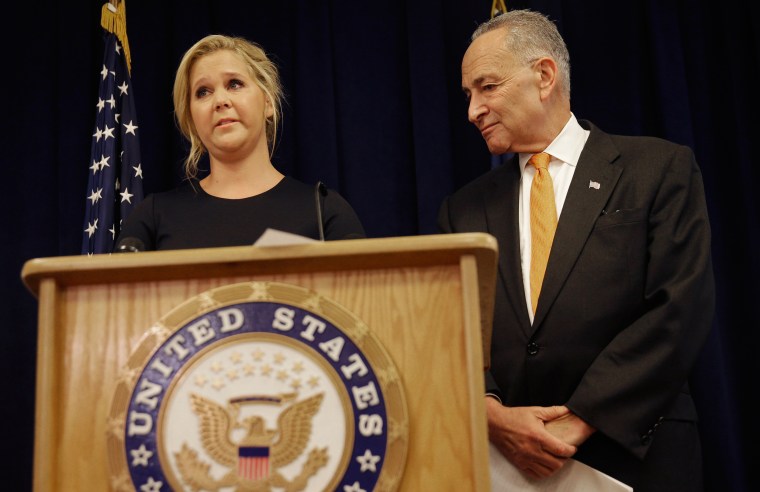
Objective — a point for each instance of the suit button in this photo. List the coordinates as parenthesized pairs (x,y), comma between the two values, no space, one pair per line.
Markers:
(645,438)
(532,348)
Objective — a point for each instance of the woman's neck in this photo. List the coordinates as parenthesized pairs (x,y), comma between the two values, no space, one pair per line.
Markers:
(240,179)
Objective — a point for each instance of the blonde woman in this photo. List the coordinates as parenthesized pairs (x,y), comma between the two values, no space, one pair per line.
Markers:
(227,102)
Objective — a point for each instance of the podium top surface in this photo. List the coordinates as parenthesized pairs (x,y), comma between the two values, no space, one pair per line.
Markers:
(393,252)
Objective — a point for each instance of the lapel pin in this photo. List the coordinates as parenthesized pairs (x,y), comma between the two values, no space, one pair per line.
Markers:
(593,184)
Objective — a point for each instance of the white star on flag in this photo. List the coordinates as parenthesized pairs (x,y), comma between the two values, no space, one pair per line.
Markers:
(95,196)
(126,195)
(131,128)
(91,228)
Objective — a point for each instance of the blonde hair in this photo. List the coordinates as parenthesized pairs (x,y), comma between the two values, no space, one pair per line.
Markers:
(262,70)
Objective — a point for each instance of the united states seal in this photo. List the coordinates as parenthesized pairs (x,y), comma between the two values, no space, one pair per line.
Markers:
(258,386)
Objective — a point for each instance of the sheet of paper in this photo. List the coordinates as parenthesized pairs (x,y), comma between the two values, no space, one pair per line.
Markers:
(273,237)
(573,477)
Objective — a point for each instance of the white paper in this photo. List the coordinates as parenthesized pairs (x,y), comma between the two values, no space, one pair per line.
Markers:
(574,476)
(273,237)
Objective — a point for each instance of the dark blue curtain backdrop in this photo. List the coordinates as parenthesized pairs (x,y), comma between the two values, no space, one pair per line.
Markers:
(375,110)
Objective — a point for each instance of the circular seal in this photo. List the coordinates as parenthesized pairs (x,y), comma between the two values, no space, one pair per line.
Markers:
(258,386)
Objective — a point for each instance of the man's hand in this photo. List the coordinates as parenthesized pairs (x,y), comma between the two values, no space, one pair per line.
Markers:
(570,428)
(520,434)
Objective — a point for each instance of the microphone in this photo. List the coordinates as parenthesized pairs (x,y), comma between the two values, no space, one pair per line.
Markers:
(320,190)
(129,245)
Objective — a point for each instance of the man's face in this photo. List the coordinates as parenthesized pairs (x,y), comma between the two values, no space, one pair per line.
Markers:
(503,93)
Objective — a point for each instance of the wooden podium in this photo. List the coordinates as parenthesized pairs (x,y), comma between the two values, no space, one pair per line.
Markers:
(428,300)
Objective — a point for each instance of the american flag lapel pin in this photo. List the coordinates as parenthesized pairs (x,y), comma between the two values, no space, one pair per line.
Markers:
(593,184)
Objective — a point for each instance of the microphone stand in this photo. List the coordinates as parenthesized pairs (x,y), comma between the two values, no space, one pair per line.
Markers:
(320,190)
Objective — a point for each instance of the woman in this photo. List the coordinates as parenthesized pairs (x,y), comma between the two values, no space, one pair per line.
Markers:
(227,101)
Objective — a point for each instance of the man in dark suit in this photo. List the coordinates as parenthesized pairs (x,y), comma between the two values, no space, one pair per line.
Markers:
(592,361)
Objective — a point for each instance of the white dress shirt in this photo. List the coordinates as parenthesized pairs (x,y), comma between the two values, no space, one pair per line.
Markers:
(565,151)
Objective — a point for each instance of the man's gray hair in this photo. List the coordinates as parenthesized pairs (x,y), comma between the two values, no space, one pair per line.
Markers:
(530,36)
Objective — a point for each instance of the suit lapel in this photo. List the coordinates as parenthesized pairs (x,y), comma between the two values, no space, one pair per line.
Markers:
(593,182)
(501,209)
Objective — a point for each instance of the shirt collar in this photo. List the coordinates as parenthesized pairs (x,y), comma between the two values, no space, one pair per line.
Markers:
(566,146)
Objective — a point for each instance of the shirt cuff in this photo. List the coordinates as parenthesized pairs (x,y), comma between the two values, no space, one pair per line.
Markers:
(495,397)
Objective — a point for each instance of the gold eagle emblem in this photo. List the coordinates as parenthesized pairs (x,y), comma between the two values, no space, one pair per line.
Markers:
(274,447)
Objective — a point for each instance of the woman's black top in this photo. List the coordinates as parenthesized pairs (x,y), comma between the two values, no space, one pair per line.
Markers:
(188,217)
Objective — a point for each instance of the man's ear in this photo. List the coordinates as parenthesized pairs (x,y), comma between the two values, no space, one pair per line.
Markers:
(546,70)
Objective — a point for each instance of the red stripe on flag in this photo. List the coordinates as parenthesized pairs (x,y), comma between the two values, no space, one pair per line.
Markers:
(256,468)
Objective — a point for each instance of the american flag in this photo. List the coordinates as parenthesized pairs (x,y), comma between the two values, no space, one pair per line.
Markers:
(253,462)
(115,171)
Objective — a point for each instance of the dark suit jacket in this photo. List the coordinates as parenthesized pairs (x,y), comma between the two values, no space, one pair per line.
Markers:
(626,304)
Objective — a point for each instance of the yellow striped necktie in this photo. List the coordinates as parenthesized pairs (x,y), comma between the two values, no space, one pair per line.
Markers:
(543,223)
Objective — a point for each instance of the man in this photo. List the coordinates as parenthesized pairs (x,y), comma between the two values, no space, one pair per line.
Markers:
(602,308)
